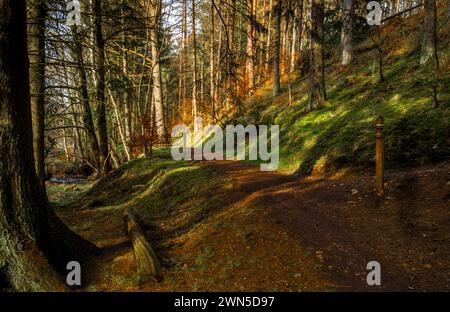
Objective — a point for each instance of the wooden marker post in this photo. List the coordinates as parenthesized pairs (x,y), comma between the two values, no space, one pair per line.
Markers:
(379,156)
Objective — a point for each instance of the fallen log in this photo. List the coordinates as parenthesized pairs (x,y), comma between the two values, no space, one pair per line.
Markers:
(147,263)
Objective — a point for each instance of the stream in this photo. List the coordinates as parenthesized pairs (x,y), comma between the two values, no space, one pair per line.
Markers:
(67,180)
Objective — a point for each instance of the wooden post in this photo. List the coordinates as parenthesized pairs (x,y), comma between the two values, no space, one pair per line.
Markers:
(379,156)
(147,263)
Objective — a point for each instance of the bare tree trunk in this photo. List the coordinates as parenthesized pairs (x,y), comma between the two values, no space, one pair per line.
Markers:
(32,240)
(250,68)
(347,33)
(127,95)
(184,50)
(448,9)
(297,36)
(77,136)
(276,57)
(119,125)
(285,45)
(183,59)
(194,63)
(269,29)
(231,62)
(429,33)
(102,130)
(218,74)
(202,84)
(211,59)
(153,10)
(317,91)
(84,95)
(36,54)
(180,76)
(393,7)
(65,145)
(78,144)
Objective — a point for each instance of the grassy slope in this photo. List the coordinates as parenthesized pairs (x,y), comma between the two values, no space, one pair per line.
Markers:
(341,132)
(158,185)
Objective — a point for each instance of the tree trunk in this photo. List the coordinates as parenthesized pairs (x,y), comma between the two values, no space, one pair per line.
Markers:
(127,97)
(429,33)
(36,54)
(218,72)
(32,240)
(102,131)
(211,59)
(84,94)
(153,10)
(231,62)
(269,29)
(297,36)
(276,57)
(250,68)
(194,64)
(184,50)
(448,9)
(393,7)
(346,33)
(317,91)
(119,125)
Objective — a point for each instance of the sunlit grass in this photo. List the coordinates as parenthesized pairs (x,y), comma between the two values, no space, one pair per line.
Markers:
(340,132)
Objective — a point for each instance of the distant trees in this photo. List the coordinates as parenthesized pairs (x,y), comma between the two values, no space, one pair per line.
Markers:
(116,84)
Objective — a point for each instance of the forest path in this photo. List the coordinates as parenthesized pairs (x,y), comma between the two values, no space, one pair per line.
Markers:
(290,233)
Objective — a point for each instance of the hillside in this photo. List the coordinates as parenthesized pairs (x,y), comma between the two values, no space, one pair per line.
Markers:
(341,132)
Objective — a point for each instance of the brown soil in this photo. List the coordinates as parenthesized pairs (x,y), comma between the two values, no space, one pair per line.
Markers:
(288,233)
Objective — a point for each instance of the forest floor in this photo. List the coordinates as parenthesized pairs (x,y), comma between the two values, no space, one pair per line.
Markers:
(246,230)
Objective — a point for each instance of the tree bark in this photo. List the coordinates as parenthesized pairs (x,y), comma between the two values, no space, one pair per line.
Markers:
(317,91)
(346,33)
(211,59)
(153,10)
(33,242)
(276,57)
(194,63)
(297,37)
(429,33)
(250,66)
(84,94)
(102,131)
(36,54)
(448,9)
(269,29)
(184,50)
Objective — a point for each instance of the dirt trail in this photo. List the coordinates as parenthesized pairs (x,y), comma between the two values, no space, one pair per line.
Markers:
(290,233)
